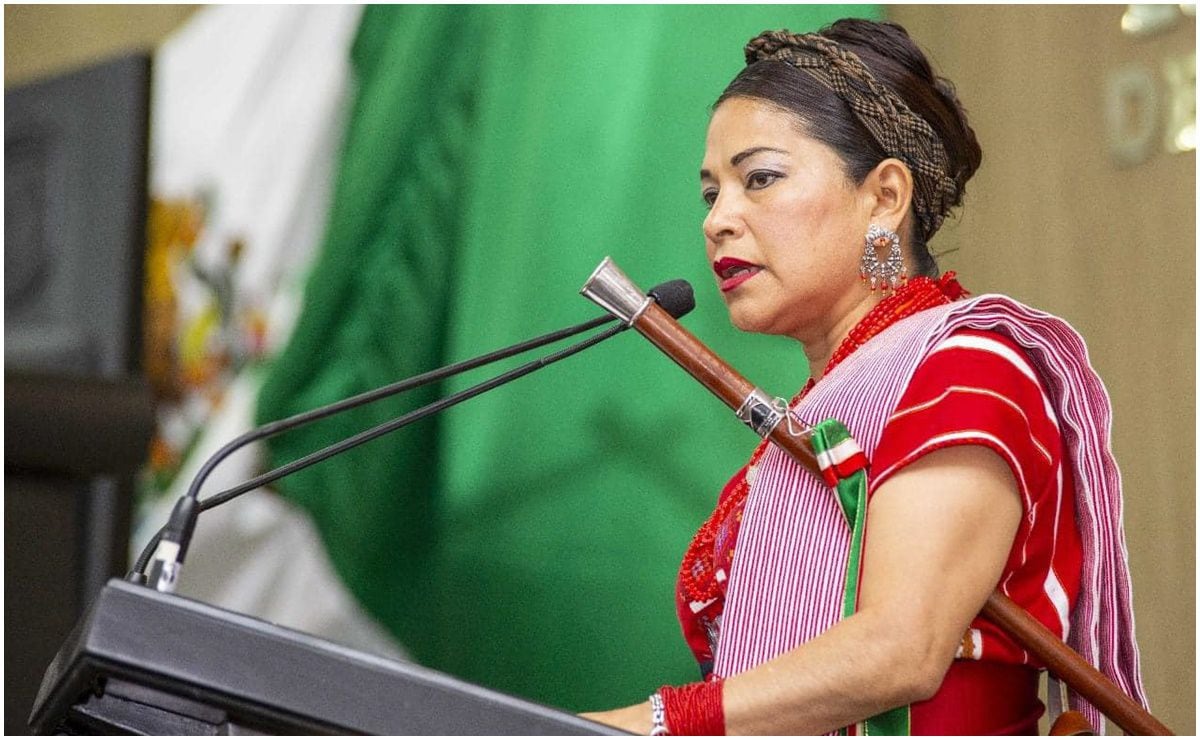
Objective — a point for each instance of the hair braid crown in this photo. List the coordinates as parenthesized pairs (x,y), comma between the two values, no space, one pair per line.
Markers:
(899,131)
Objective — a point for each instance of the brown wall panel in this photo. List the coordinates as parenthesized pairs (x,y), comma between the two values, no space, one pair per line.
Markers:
(42,40)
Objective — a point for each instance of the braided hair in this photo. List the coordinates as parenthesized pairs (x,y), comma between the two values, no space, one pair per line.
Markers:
(866,90)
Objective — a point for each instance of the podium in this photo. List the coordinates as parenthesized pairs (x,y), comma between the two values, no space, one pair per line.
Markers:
(144,662)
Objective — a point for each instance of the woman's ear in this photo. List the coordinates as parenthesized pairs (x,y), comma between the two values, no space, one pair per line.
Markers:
(890,184)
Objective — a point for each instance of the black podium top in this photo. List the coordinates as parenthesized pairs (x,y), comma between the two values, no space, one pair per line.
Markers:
(142,661)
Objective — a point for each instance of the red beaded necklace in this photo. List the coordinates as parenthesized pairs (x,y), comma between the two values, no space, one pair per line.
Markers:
(697,573)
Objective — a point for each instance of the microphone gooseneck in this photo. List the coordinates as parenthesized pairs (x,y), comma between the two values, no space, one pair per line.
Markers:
(168,546)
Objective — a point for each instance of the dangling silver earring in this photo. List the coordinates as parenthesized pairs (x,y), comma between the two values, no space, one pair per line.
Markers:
(889,272)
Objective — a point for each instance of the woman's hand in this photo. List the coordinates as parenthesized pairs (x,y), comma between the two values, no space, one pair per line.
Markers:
(635,719)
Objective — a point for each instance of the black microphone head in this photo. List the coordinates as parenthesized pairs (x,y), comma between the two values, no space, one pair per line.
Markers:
(675,296)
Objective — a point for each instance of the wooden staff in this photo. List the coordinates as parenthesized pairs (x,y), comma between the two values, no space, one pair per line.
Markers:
(610,288)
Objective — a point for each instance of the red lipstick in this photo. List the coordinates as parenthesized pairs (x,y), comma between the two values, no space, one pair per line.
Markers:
(733,272)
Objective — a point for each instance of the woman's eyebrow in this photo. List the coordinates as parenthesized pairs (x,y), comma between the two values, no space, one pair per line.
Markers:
(741,156)
(737,159)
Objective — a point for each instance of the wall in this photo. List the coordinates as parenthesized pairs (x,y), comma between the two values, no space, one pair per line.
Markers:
(41,40)
(1052,220)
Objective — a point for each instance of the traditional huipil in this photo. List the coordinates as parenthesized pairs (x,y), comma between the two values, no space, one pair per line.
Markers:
(924,370)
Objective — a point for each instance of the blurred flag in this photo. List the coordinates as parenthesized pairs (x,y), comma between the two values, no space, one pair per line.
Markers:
(248,115)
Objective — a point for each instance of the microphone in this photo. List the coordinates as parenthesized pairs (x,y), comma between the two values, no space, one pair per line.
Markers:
(169,544)
(675,296)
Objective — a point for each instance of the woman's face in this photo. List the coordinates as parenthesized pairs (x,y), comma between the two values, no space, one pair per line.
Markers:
(785,228)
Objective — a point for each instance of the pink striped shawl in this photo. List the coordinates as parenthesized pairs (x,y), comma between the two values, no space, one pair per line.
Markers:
(787,580)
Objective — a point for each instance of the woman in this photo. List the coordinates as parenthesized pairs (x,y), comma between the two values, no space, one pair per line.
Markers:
(831,161)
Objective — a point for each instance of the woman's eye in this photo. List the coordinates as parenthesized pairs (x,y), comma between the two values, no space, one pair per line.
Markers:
(761,179)
(709,196)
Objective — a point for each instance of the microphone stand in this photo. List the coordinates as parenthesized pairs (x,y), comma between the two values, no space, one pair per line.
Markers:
(169,545)
(182,521)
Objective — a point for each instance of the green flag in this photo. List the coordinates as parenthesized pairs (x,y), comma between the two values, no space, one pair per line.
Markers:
(529,539)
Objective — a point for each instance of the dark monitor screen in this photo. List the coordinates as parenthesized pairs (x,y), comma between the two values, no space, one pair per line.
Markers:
(75,151)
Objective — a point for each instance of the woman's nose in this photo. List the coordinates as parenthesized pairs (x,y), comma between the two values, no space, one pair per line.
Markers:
(724,220)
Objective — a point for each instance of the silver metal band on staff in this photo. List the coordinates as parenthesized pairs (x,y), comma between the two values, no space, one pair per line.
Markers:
(760,412)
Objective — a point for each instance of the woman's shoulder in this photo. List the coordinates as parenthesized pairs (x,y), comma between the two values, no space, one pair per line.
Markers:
(974,386)
(979,349)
